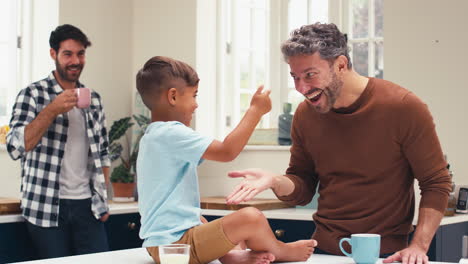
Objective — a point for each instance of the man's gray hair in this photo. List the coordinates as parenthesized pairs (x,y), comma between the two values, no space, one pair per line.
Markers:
(326,39)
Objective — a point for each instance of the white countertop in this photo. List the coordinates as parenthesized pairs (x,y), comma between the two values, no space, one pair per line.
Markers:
(140,256)
(285,214)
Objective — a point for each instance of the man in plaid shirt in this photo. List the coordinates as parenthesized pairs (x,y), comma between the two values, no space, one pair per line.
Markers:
(63,153)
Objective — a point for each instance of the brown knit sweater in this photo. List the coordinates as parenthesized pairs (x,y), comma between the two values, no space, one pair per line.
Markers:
(364,159)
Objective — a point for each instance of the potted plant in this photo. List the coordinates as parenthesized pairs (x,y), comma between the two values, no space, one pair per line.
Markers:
(123,175)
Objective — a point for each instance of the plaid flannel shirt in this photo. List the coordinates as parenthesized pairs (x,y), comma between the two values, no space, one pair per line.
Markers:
(41,165)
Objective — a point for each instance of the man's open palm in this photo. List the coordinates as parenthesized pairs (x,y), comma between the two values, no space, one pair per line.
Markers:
(255,181)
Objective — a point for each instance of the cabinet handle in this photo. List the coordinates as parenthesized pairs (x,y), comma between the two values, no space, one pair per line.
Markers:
(131,226)
(279,233)
(465,246)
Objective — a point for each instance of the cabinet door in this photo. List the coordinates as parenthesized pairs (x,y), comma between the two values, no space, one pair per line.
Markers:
(451,237)
(447,243)
(292,230)
(15,244)
(287,230)
(122,231)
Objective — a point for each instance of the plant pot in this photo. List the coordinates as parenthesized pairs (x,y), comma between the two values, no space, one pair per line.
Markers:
(123,192)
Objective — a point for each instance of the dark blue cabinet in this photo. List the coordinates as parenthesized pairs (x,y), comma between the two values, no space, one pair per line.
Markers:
(122,231)
(286,230)
(15,244)
(292,230)
(447,242)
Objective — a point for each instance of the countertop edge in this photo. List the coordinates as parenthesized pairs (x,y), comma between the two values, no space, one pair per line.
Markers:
(140,255)
(285,213)
(12,218)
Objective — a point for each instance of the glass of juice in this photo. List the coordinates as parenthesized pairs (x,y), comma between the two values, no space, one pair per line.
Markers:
(174,254)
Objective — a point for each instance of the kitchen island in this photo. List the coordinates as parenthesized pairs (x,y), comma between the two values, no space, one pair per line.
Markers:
(140,256)
(288,224)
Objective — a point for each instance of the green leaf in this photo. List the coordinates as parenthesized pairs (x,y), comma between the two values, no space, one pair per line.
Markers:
(121,174)
(119,128)
(142,120)
(115,150)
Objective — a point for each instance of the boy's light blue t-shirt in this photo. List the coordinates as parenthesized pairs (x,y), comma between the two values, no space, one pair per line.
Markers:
(168,192)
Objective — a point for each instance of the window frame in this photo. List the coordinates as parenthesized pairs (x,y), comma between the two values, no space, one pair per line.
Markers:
(228,60)
(333,16)
(12,61)
(371,39)
(33,24)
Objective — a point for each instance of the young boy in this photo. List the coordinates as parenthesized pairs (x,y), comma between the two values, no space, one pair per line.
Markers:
(170,151)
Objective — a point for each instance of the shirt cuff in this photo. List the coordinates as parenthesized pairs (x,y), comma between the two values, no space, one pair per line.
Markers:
(105,161)
(434,200)
(15,139)
(292,198)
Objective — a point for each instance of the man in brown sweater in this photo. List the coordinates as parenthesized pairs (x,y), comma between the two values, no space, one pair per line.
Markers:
(363,141)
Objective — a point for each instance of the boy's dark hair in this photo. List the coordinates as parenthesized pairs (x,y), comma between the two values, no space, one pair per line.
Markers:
(65,32)
(161,73)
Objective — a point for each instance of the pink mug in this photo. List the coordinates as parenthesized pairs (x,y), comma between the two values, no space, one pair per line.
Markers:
(84,97)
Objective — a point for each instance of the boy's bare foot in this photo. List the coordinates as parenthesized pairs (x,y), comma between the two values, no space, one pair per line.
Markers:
(296,251)
(247,257)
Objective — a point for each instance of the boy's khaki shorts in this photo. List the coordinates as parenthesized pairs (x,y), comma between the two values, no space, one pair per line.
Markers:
(207,243)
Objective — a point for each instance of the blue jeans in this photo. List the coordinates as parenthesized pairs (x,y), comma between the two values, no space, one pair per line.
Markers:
(79,232)
(319,251)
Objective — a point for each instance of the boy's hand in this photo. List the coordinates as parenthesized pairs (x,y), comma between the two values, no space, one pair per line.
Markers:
(261,101)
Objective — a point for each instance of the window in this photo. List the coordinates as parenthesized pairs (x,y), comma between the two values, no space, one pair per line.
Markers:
(302,12)
(24,33)
(245,55)
(251,34)
(9,55)
(365,36)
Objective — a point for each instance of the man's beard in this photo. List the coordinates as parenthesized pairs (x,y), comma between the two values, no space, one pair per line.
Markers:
(62,71)
(332,91)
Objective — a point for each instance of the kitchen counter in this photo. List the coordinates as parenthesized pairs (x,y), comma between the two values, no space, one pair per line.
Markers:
(285,214)
(115,208)
(140,256)
(445,247)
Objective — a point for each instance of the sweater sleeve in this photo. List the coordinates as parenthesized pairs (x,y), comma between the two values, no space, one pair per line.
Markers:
(422,148)
(301,170)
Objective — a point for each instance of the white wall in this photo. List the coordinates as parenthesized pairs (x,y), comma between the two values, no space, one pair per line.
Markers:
(108,70)
(213,175)
(10,175)
(166,28)
(163,28)
(425,51)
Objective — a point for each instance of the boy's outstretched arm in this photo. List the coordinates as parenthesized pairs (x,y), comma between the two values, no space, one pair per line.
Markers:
(233,144)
